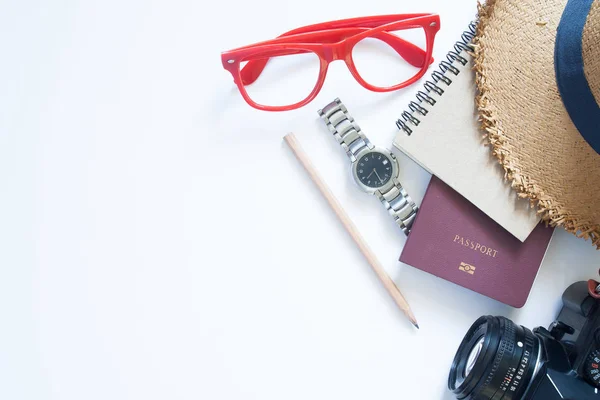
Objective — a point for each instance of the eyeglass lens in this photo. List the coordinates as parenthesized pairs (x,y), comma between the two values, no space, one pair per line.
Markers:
(288,78)
(389,59)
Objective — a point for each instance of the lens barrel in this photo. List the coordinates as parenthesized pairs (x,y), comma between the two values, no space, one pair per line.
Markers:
(496,360)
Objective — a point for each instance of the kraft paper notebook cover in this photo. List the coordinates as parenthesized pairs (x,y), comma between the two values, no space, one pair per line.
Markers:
(441,133)
(454,240)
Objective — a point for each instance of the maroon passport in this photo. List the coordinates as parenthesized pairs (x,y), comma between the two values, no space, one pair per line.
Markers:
(453,239)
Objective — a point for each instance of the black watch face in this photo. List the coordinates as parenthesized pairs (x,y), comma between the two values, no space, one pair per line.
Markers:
(374,169)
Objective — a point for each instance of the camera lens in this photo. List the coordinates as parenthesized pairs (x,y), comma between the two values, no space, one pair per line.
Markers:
(473,356)
(495,361)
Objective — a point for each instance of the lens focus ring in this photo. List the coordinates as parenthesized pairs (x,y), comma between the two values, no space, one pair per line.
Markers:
(505,350)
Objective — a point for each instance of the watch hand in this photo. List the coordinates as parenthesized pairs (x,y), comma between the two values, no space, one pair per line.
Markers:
(370,174)
(380,180)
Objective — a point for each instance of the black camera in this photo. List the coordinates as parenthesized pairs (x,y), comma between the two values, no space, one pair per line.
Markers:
(499,360)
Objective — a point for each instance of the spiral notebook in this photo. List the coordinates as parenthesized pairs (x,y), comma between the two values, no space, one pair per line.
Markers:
(440,131)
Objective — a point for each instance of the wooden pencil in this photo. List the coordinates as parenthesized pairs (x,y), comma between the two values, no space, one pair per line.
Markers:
(388,283)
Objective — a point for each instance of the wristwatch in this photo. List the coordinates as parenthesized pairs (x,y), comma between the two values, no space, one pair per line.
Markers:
(375,169)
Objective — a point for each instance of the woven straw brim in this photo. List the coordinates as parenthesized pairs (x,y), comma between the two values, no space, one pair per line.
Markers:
(544,156)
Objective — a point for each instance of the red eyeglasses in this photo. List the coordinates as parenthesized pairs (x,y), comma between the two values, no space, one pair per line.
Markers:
(383,53)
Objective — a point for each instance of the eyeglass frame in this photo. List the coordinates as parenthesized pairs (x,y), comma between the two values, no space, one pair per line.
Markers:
(350,31)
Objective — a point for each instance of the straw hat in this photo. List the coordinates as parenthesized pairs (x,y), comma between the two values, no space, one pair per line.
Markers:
(537,66)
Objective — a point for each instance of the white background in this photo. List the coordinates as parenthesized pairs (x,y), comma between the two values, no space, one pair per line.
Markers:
(159,241)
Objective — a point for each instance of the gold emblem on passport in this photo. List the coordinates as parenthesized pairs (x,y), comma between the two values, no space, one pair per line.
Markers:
(468,268)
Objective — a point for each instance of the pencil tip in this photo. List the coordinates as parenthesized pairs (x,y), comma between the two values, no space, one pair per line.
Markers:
(416,325)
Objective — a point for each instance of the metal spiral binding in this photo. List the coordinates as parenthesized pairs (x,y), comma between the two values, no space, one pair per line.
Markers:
(433,87)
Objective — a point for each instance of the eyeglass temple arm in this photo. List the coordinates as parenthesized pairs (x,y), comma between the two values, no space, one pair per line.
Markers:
(413,54)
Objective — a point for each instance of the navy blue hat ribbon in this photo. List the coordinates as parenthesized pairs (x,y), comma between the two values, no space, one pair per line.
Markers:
(572,83)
